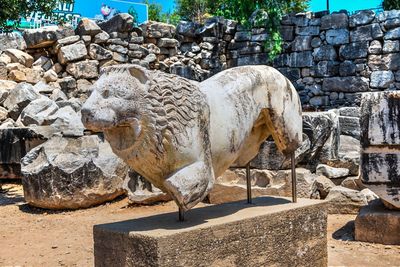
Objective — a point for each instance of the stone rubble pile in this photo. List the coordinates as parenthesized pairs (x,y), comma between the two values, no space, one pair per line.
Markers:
(46,75)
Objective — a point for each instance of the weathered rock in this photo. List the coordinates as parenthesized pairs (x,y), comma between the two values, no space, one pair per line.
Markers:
(46,36)
(19,98)
(347,68)
(384,62)
(381,79)
(301,59)
(65,121)
(325,52)
(141,191)
(301,43)
(38,111)
(345,84)
(331,172)
(354,50)
(322,129)
(50,76)
(67,41)
(72,52)
(347,201)
(375,47)
(362,33)
(72,173)
(101,37)
(361,18)
(326,69)
(393,34)
(3,114)
(334,21)
(321,187)
(87,69)
(12,40)
(67,84)
(350,126)
(337,36)
(376,224)
(390,46)
(87,27)
(187,28)
(99,53)
(18,56)
(119,23)
(353,183)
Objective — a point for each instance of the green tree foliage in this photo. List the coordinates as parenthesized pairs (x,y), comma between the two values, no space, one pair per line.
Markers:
(268,14)
(196,10)
(11,11)
(155,10)
(391,4)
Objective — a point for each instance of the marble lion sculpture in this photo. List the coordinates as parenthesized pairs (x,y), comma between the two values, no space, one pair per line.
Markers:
(181,134)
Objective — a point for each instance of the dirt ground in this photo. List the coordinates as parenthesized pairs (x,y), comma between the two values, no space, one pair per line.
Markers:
(35,237)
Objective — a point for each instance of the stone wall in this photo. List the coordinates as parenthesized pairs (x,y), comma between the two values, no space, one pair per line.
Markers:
(332,59)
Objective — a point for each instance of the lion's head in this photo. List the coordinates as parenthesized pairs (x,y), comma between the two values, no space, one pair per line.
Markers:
(137,107)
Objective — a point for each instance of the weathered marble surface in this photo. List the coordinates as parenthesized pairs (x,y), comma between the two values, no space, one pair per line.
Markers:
(380,140)
(181,134)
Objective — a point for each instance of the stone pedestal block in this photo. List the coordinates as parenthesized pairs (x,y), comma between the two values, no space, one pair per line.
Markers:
(380,139)
(377,224)
(270,232)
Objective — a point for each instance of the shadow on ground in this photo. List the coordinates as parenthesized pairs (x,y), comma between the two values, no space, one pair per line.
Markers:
(10,196)
(345,233)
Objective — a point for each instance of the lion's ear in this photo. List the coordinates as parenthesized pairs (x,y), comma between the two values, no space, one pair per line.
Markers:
(139,73)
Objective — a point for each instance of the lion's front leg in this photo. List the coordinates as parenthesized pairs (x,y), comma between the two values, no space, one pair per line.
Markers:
(191,184)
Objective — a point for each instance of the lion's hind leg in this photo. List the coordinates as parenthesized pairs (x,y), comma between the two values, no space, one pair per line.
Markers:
(191,184)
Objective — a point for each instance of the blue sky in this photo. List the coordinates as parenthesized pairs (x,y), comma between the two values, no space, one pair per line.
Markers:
(350,5)
(315,5)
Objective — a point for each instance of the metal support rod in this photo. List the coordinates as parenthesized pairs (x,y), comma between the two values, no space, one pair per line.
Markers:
(181,214)
(294,180)
(249,200)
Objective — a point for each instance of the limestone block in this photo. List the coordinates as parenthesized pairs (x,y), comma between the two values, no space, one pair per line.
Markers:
(72,52)
(392,34)
(71,173)
(325,52)
(331,172)
(101,37)
(321,187)
(350,126)
(354,50)
(347,201)
(268,233)
(381,79)
(334,21)
(337,36)
(361,18)
(301,43)
(46,36)
(88,69)
(87,27)
(122,22)
(18,56)
(38,111)
(362,33)
(301,59)
(348,84)
(19,98)
(376,224)
(12,40)
(379,120)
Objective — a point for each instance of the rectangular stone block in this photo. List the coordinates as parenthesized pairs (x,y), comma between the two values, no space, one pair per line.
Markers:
(377,224)
(270,232)
(380,119)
